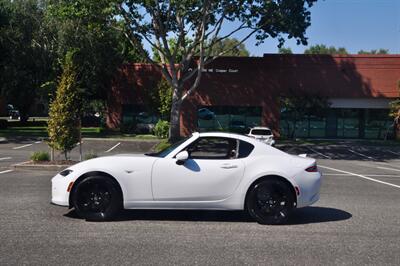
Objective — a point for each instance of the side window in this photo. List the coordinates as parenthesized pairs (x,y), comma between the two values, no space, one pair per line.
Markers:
(245,149)
(213,148)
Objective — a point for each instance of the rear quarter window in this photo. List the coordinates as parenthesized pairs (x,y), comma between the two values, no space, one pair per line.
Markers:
(245,149)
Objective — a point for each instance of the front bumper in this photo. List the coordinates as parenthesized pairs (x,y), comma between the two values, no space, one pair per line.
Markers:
(59,187)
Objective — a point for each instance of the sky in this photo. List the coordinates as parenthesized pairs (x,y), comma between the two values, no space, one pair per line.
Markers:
(353,24)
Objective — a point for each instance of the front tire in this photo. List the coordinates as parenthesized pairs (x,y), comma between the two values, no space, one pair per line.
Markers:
(97,198)
(270,201)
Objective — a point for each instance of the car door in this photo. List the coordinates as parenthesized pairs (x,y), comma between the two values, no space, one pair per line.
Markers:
(212,172)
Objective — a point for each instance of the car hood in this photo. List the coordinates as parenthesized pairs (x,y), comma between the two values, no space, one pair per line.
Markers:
(114,163)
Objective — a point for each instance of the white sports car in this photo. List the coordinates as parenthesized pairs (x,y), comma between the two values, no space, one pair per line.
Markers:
(221,171)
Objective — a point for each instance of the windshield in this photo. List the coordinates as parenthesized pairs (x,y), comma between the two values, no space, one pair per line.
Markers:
(163,153)
(261,132)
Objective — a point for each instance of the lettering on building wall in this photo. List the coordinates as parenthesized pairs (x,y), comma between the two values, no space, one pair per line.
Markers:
(218,70)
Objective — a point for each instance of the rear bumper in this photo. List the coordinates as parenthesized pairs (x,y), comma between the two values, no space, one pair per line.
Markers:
(309,189)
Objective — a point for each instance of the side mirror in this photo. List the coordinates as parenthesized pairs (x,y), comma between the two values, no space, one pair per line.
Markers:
(182,157)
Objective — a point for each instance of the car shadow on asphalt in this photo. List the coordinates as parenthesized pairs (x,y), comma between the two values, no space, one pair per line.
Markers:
(307,215)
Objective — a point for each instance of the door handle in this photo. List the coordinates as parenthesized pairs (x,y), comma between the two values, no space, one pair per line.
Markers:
(229,166)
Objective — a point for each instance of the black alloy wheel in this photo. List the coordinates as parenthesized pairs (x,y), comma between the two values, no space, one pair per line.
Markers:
(97,198)
(270,201)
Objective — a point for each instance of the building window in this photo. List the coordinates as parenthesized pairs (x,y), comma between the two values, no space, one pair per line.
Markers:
(141,119)
(377,123)
(228,118)
(339,123)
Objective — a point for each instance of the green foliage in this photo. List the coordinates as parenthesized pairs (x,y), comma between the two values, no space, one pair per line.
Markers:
(40,156)
(161,129)
(160,99)
(90,27)
(229,47)
(379,51)
(323,49)
(65,111)
(162,145)
(226,47)
(90,155)
(395,112)
(285,50)
(25,61)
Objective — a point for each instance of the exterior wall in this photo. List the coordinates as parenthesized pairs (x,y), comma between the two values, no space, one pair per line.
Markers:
(260,81)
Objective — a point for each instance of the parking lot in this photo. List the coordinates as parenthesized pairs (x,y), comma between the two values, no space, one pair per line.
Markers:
(356,221)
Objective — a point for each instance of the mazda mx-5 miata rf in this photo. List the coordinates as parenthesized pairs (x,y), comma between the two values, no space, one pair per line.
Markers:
(218,171)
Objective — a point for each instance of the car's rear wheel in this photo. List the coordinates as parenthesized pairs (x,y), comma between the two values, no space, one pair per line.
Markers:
(97,198)
(269,201)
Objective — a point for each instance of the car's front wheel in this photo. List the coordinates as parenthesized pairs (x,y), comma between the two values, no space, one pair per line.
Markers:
(269,201)
(97,198)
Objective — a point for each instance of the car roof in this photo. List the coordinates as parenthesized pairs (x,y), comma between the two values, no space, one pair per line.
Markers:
(227,135)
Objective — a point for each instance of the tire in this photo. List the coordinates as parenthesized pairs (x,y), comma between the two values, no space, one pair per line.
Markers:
(97,198)
(270,201)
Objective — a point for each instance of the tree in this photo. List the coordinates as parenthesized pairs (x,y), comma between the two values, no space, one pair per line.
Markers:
(201,21)
(323,49)
(285,50)
(395,113)
(297,106)
(90,28)
(380,51)
(232,46)
(25,61)
(65,110)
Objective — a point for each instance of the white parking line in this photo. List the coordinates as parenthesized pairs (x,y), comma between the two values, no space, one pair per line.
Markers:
(5,158)
(395,153)
(363,155)
(23,146)
(6,171)
(113,147)
(387,168)
(37,142)
(376,175)
(317,152)
(361,176)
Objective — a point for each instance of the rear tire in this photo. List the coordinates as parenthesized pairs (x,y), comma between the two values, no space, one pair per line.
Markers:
(97,198)
(270,201)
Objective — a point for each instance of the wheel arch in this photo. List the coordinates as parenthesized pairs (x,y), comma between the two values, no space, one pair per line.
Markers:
(94,173)
(270,177)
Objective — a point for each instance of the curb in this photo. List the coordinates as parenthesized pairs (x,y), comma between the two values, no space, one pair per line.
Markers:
(28,165)
(124,139)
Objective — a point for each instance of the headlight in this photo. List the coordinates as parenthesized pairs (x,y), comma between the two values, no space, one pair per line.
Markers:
(66,172)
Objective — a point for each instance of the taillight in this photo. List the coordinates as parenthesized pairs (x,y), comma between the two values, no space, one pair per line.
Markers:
(313,168)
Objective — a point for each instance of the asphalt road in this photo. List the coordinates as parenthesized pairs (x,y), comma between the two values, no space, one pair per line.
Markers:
(356,221)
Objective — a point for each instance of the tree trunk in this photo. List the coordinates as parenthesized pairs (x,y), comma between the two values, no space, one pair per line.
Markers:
(175,129)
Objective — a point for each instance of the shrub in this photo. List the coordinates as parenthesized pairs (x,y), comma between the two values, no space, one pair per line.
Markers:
(40,156)
(161,129)
(3,124)
(90,155)
(63,126)
(162,145)
(128,127)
